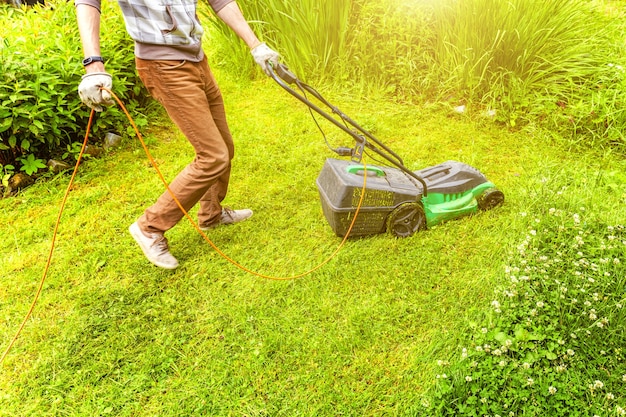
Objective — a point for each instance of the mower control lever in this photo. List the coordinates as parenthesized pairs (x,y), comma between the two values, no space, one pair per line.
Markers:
(283,72)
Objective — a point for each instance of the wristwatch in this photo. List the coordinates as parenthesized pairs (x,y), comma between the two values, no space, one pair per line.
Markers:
(92,59)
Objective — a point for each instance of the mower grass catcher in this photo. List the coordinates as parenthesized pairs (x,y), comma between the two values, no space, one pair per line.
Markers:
(396,200)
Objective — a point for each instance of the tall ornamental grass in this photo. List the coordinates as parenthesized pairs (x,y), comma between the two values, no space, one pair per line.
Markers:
(556,62)
(310,35)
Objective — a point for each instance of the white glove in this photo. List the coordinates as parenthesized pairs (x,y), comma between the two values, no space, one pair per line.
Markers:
(263,54)
(90,92)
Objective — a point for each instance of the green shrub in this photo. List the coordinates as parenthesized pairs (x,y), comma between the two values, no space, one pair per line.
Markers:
(40,62)
(552,345)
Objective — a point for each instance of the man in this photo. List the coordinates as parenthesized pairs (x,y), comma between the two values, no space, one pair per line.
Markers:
(172,65)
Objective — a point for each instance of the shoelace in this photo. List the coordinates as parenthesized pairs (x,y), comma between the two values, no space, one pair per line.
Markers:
(161,244)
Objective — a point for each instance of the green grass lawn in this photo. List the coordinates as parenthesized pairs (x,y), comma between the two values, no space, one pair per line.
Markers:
(113,335)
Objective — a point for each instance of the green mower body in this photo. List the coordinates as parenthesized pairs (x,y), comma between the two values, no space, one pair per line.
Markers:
(395,202)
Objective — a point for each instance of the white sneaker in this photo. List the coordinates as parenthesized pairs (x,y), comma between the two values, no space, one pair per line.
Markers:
(154,247)
(229,216)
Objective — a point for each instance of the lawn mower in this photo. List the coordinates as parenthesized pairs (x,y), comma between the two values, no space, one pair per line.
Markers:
(396,200)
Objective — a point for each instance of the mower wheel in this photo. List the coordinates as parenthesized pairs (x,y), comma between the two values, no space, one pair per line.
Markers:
(406,219)
(491,198)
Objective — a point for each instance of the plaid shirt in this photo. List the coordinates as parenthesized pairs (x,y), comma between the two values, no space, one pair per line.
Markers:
(166,29)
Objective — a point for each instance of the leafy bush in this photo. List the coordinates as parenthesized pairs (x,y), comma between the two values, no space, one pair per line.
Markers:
(40,60)
(552,345)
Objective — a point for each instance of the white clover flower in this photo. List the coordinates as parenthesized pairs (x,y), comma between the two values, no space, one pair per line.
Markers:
(616,261)
(551,390)
(484,330)
(483,400)
(508,343)
(526,365)
(530,381)
(496,352)
(464,353)
(610,396)
(561,368)
(540,304)
(468,378)
(624,378)
(620,411)
(570,352)
(502,363)
(598,384)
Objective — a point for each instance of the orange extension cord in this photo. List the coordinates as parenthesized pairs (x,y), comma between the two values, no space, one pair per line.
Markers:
(195,225)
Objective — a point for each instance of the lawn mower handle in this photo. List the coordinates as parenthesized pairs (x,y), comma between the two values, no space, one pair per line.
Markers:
(283,76)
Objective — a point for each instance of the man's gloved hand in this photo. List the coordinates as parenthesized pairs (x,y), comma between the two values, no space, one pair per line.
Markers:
(90,92)
(263,54)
